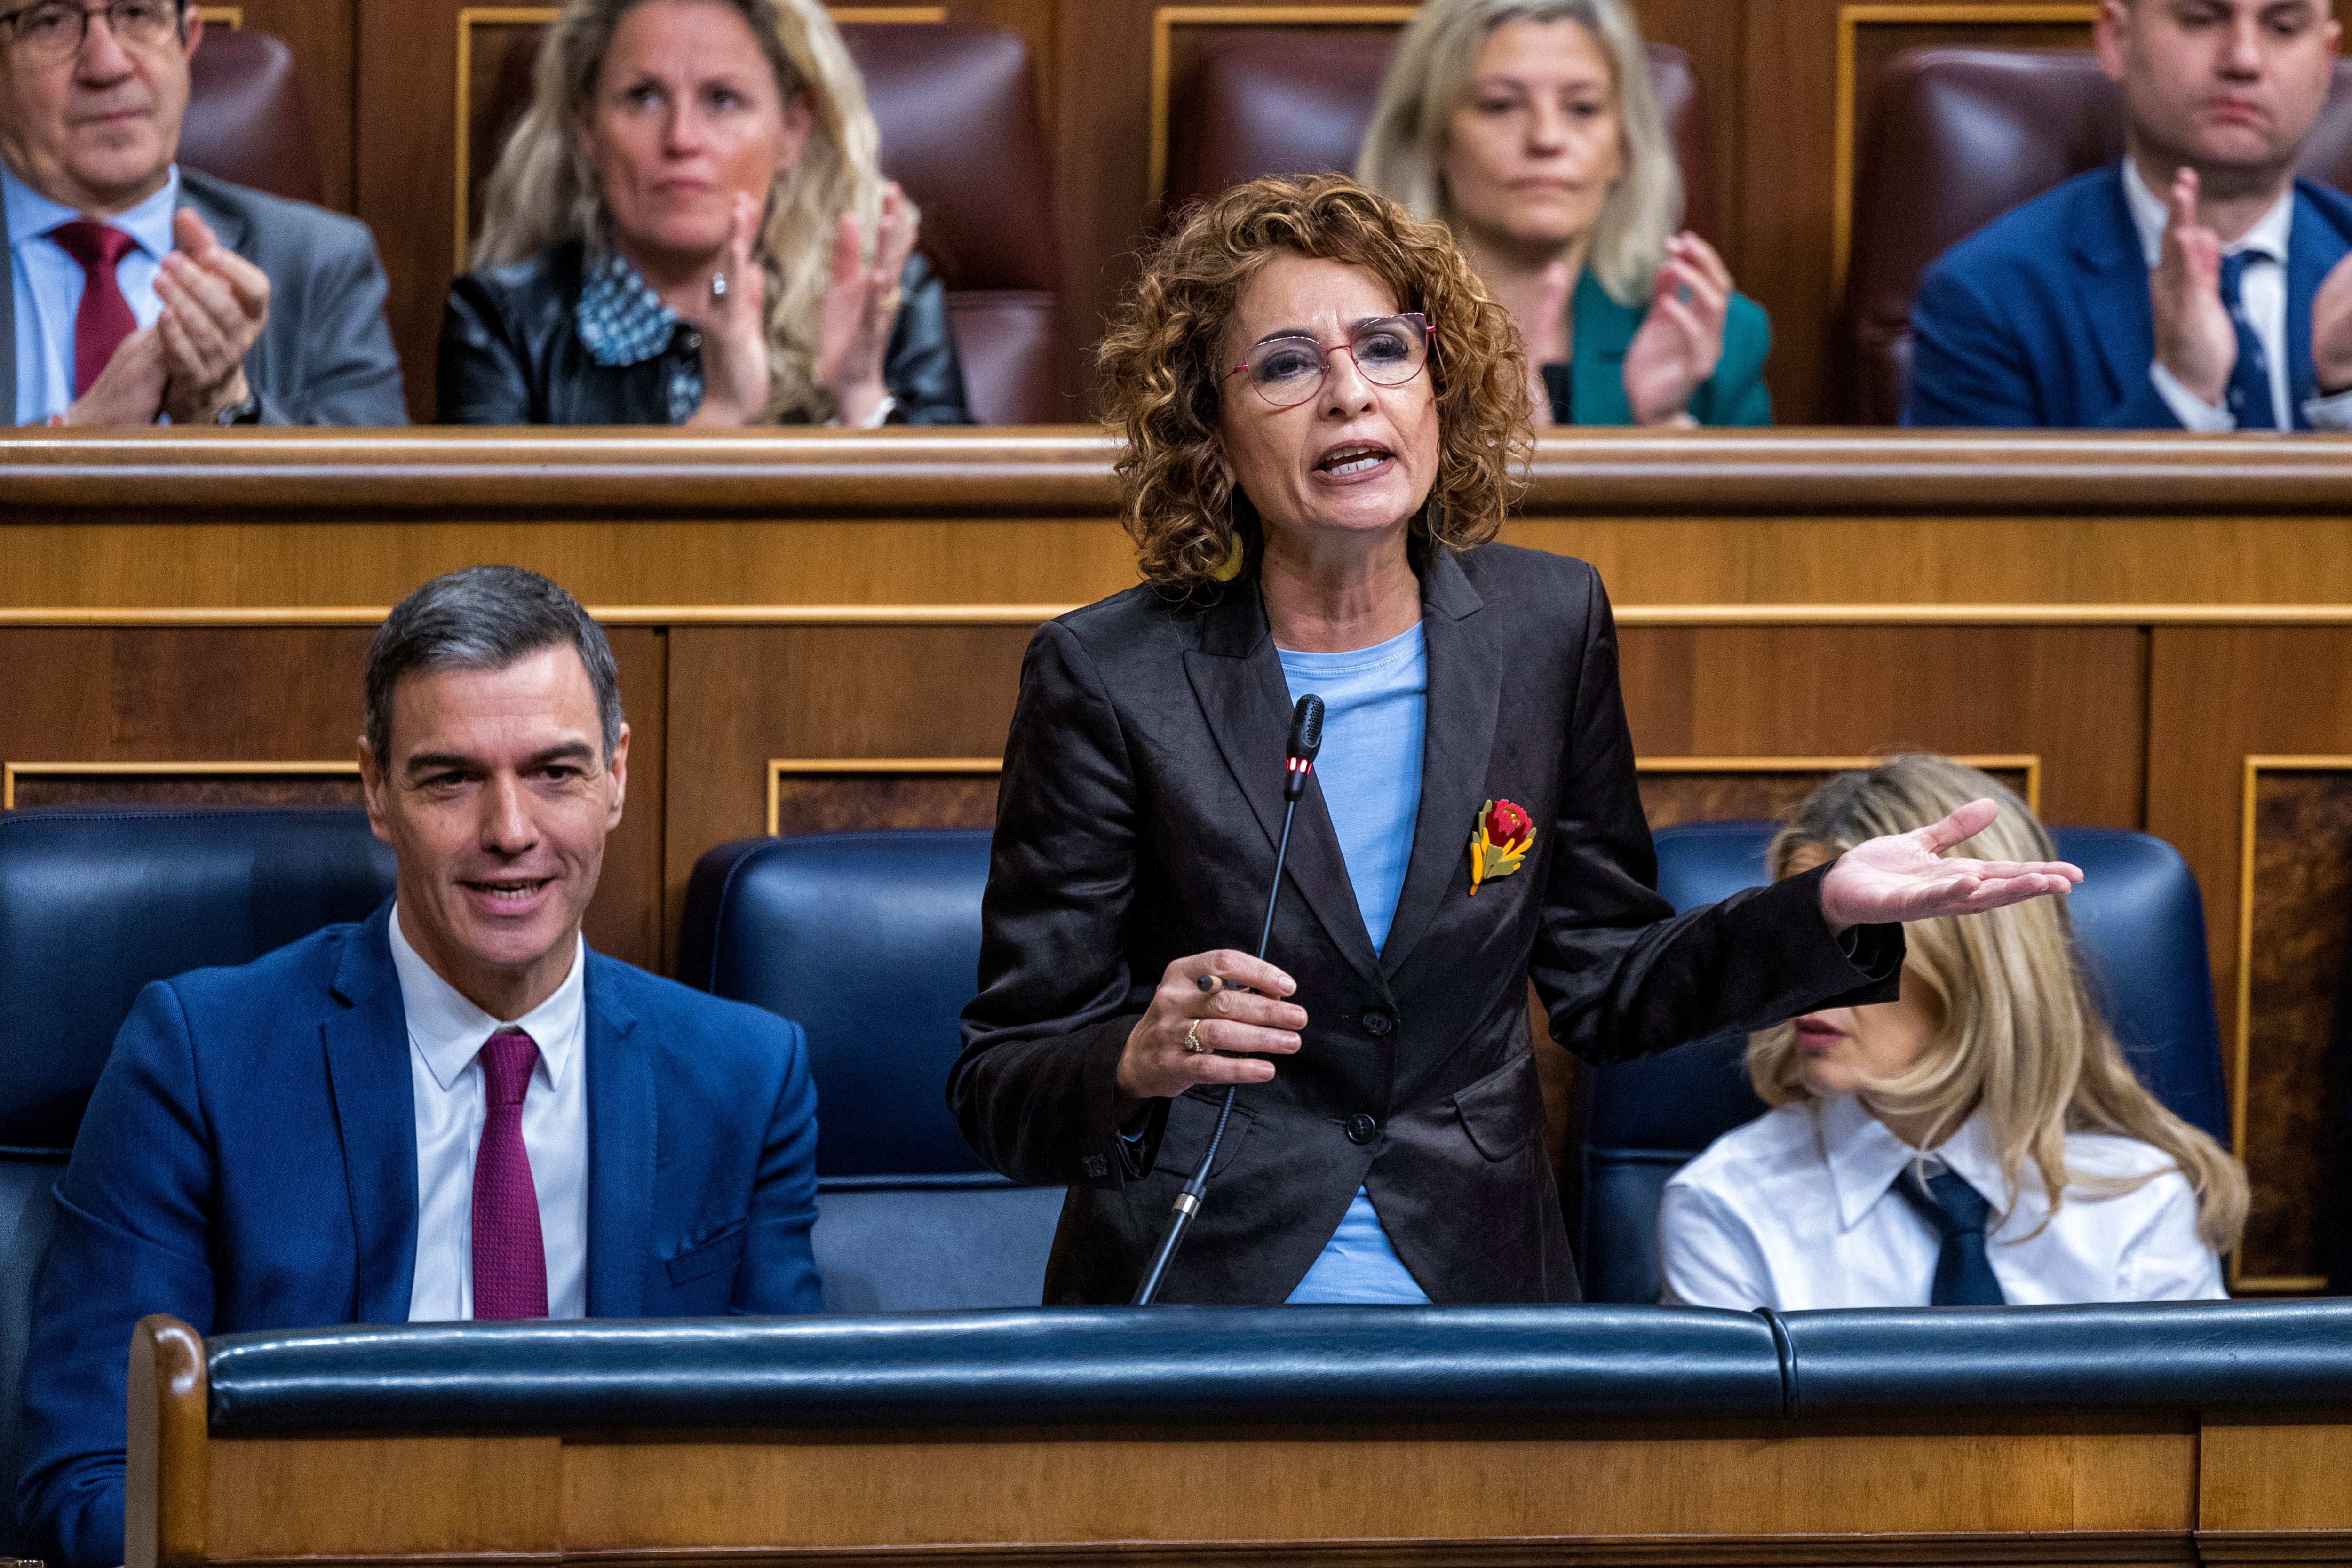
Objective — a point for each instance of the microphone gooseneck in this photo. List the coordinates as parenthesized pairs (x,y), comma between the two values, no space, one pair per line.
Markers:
(1306,741)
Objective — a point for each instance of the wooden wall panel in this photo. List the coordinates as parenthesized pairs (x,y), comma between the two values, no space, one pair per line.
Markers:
(2215,698)
(742,695)
(250,694)
(2071,695)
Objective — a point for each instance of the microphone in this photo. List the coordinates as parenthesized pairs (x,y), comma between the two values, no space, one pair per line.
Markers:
(1306,741)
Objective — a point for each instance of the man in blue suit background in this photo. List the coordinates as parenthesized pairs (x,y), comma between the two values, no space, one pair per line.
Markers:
(2197,285)
(452,1109)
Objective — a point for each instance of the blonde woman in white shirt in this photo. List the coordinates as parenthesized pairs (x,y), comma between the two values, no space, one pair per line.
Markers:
(1980,1141)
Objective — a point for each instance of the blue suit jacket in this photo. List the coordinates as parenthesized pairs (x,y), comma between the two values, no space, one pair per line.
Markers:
(2041,318)
(250,1160)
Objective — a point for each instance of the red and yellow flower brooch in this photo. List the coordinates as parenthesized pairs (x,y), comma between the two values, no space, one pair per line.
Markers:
(1505,832)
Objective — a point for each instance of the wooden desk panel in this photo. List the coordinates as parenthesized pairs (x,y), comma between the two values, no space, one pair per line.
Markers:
(2042,1489)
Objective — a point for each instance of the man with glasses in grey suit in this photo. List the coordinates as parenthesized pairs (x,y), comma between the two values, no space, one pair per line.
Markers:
(140,290)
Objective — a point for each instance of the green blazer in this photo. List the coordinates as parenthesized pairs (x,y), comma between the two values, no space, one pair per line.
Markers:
(1590,388)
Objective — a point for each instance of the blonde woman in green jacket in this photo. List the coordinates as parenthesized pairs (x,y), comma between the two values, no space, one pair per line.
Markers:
(1529,128)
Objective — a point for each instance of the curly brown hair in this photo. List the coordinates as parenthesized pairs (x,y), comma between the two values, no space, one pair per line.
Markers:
(1162,379)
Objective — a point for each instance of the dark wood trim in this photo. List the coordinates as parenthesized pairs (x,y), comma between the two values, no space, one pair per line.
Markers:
(165,1486)
(1063,471)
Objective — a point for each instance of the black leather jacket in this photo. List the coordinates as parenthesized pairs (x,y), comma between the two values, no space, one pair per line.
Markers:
(511,354)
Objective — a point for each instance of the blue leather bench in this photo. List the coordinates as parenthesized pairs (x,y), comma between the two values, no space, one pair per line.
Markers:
(2141,928)
(871,943)
(93,905)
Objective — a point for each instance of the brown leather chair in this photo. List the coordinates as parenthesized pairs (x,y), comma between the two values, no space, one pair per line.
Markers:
(1294,101)
(247,122)
(958,113)
(1957,137)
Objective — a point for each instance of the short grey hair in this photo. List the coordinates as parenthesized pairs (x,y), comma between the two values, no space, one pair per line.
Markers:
(1403,154)
(484,617)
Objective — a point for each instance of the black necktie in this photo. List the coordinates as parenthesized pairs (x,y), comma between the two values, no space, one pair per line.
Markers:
(1957,1211)
(2250,379)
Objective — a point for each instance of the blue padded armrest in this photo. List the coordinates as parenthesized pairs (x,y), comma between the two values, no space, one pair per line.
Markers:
(1071,1366)
(1241,1365)
(2185,1355)
(95,904)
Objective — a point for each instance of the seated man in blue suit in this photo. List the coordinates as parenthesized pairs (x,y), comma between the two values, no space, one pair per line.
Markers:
(453,1110)
(2198,285)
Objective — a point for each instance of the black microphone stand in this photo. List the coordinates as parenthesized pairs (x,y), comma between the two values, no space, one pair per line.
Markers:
(1307,722)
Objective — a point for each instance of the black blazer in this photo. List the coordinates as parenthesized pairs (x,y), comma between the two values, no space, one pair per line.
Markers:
(1141,796)
(511,354)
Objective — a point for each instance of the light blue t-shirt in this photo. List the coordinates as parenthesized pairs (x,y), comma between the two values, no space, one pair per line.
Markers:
(1375,708)
(48,285)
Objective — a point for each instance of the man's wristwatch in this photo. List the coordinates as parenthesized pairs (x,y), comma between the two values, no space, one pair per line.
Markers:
(245,413)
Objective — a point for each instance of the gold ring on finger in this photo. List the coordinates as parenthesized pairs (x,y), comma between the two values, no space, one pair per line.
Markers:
(1193,1041)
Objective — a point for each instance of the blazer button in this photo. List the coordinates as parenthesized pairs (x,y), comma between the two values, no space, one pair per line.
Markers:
(1376,1023)
(1361,1127)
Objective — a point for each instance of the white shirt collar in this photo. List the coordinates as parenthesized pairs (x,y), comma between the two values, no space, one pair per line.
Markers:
(1863,1157)
(2149,215)
(32,214)
(448,1031)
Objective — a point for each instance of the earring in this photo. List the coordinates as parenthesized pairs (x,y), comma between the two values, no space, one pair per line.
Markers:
(1231,566)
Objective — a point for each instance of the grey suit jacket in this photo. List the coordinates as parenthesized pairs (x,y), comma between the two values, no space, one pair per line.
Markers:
(326,356)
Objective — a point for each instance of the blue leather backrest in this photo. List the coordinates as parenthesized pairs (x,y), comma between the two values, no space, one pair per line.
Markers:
(2140,927)
(93,905)
(870,941)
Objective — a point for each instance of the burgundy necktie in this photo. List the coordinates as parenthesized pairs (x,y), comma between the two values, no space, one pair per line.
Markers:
(105,318)
(509,1257)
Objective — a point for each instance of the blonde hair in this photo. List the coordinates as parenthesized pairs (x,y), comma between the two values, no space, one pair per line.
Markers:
(1403,154)
(544,193)
(1164,383)
(2019,1033)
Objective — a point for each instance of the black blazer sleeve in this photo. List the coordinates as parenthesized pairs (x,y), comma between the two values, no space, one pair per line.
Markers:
(1618,972)
(483,376)
(920,366)
(1036,1099)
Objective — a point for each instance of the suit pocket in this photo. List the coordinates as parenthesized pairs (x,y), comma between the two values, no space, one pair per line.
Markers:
(722,1251)
(1191,1119)
(1502,1111)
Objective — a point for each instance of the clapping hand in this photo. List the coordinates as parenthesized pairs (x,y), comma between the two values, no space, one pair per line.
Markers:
(1906,875)
(860,305)
(2331,328)
(2195,338)
(733,319)
(129,390)
(1681,340)
(215,303)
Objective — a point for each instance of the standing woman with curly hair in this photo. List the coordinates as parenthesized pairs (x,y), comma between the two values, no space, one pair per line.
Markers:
(1321,409)
(690,227)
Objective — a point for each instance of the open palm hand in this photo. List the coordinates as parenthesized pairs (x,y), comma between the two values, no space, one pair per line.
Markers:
(1906,875)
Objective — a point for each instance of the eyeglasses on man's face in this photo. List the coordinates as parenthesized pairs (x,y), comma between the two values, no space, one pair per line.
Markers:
(52,30)
(1288,371)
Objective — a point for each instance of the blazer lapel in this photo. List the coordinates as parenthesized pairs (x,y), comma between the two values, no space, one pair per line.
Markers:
(2111,288)
(375,1112)
(1465,690)
(227,225)
(1604,330)
(621,1122)
(2312,246)
(1237,677)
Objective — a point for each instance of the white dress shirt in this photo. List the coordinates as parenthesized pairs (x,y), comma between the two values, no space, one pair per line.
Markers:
(48,285)
(1794,1211)
(446,1033)
(2262,294)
